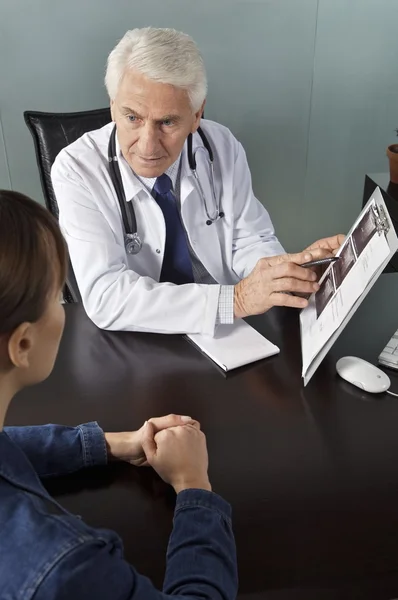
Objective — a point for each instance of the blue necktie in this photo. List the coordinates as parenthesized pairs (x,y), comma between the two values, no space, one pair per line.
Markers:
(177,265)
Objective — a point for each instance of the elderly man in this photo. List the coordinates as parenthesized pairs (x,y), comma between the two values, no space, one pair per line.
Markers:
(163,229)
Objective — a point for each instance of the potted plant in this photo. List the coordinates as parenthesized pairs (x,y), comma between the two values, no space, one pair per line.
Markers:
(392,153)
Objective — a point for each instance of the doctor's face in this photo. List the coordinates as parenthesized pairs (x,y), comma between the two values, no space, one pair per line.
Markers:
(153,121)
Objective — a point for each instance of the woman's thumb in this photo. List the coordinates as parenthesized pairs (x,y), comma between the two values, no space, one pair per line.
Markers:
(148,442)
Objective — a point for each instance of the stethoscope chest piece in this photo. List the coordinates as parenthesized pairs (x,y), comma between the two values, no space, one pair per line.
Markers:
(133,243)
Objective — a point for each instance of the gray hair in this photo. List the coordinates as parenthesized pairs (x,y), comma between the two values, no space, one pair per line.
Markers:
(163,55)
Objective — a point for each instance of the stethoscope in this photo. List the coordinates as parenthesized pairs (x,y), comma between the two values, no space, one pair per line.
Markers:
(132,240)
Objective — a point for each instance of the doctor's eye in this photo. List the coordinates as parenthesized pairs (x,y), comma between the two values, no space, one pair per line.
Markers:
(132,118)
(168,123)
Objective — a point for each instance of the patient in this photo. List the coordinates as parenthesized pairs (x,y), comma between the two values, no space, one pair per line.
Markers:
(46,552)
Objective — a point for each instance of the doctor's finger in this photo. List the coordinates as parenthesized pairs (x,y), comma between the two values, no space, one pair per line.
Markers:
(298,258)
(290,284)
(303,257)
(317,254)
(273,261)
(332,243)
(283,299)
(293,271)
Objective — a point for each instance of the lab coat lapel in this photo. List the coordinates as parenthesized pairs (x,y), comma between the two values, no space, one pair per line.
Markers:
(204,239)
(187,179)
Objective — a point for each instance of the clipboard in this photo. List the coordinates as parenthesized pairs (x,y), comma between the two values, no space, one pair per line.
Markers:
(384,228)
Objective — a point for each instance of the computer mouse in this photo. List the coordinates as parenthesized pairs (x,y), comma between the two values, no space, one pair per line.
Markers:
(362,374)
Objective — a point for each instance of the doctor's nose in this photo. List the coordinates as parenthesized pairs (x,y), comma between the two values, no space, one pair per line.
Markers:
(148,142)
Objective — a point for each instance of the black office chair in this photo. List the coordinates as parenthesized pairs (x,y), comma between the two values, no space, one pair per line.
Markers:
(51,133)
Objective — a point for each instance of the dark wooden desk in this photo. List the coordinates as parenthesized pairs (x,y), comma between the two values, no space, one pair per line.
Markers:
(312,474)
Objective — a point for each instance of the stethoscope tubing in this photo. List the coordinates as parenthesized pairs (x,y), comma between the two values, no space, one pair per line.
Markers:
(130,227)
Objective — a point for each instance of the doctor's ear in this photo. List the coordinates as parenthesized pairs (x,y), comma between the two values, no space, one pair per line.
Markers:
(20,345)
(198,116)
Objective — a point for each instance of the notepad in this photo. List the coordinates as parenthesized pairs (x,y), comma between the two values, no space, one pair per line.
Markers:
(234,345)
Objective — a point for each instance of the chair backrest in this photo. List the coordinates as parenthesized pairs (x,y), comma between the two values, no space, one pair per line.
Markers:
(54,131)
(51,133)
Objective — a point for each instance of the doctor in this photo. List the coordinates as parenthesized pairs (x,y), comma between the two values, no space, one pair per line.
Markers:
(157,208)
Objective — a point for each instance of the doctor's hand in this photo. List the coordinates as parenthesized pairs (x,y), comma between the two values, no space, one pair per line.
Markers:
(274,281)
(330,245)
(127,446)
(178,455)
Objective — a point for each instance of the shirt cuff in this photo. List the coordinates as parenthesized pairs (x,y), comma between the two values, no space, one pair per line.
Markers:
(93,445)
(192,498)
(225,312)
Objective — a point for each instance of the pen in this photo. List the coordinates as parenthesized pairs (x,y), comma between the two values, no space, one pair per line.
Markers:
(321,261)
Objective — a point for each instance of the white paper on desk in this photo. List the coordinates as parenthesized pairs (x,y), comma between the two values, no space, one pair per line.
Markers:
(363,257)
(234,345)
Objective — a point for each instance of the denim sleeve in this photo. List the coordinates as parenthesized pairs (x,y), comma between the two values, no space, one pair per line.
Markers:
(201,561)
(201,557)
(57,450)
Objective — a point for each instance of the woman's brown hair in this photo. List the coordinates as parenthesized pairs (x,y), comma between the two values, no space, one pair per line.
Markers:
(33,260)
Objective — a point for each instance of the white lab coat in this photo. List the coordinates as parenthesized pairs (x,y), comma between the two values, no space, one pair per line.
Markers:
(122,291)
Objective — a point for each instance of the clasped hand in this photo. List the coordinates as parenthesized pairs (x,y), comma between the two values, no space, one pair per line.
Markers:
(173,445)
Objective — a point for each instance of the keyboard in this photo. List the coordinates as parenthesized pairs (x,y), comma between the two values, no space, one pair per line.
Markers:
(389,356)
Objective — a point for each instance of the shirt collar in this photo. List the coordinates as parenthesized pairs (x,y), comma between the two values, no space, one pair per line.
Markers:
(172,172)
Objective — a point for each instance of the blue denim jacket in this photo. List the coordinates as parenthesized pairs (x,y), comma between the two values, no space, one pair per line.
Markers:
(47,553)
